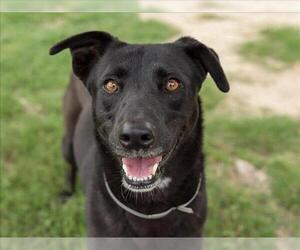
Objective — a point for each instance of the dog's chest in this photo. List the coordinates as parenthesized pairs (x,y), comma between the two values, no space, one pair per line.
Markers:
(164,227)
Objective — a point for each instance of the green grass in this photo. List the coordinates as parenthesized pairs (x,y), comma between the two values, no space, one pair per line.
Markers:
(278,43)
(271,144)
(32,168)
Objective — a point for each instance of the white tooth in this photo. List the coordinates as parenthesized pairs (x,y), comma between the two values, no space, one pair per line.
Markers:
(125,169)
(154,168)
(149,177)
(129,177)
(134,178)
(145,178)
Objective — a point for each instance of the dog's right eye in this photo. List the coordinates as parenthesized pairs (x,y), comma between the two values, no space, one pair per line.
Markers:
(111,86)
(172,85)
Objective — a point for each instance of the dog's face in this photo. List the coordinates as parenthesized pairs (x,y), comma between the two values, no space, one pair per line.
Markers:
(145,98)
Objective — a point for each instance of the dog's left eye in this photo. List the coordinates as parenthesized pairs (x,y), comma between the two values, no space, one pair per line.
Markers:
(111,86)
(172,85)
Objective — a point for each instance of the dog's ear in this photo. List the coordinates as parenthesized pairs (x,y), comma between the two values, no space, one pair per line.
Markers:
(86,48)
(208,58)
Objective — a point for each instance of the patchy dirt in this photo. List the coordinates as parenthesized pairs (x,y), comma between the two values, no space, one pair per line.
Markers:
(255,89)
(250,176)
(29,108)
(284,232)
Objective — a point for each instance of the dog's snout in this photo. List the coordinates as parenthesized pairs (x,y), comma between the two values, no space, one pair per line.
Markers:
(136,136)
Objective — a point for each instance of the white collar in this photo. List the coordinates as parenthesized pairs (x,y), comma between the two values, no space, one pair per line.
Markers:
(182,208)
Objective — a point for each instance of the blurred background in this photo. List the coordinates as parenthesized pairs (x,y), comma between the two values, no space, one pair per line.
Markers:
(252,134)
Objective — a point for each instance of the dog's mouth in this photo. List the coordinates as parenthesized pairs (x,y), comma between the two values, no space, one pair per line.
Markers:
(145,173)
(141,173)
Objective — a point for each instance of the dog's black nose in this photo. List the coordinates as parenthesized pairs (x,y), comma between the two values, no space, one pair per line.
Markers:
(136,136)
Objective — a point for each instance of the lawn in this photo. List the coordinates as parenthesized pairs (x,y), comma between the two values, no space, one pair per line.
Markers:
(32,169)
(275,43)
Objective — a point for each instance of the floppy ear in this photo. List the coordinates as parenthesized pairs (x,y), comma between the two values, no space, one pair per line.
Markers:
(208,58)
(86,48)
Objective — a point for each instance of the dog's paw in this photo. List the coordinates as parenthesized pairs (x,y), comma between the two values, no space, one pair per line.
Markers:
(64,195)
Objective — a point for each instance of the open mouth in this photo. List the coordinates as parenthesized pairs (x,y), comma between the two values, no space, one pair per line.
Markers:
(141,173)
(145,173)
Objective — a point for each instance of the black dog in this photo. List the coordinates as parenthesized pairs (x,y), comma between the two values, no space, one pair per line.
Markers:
(136,135)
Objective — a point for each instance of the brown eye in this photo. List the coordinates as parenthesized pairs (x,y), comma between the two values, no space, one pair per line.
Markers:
(172,85)
(111,86)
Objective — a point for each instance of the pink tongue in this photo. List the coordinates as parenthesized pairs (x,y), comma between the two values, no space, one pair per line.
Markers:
(140,167)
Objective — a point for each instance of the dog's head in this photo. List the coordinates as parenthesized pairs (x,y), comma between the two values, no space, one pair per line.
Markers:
(145,97)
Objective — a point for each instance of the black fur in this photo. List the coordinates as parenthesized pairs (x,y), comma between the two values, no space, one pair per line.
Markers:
(93,120)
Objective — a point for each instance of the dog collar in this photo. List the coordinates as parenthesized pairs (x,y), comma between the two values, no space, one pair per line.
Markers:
(182,208)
